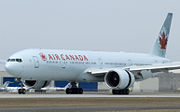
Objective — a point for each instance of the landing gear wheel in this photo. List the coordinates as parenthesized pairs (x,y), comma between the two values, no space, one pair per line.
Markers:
(120,92)
(74,91)
(80,91)
(67,90)
(21,91)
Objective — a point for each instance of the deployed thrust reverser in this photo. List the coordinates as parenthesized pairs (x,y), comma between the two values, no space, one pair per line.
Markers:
(119,80)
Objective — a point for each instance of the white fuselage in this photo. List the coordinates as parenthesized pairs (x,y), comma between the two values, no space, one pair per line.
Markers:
(71,65)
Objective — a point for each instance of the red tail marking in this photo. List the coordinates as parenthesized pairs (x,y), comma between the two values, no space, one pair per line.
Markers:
(163,41)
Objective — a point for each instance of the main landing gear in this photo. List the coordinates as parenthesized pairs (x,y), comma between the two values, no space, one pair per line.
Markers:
(120,92)
(74,89)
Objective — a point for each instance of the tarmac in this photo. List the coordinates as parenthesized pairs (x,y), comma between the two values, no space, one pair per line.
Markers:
(88,102)
(89,109)
(87,96)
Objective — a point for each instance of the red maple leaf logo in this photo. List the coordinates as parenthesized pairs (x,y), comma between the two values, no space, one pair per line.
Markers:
(163,41)
(43,56)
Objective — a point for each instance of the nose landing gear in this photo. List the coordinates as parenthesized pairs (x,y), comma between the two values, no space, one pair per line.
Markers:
(74,89)
(21,90)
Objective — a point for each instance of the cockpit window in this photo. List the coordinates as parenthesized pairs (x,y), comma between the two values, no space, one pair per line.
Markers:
(8,60)
(19,60)
(14,60)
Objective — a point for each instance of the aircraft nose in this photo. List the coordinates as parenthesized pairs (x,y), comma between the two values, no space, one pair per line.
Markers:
(13,69)
(9,67)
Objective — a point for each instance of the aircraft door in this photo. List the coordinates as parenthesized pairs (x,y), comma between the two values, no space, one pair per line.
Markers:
(35,62)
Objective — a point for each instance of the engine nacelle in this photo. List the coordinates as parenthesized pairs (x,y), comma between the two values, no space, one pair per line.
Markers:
(119,79)
(36,84)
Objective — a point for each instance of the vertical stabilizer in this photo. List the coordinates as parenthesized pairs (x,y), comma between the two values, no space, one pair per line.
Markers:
(160,45)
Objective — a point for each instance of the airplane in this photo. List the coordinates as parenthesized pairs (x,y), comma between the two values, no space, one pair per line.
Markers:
(119,70)
(51,89)
(5,88)
(5,85)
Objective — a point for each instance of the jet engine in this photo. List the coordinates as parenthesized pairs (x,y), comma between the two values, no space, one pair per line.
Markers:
(36,84)
(119,79)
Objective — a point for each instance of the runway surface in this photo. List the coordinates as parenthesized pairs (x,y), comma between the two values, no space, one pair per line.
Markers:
(89,103)
(89,109)
(85,96)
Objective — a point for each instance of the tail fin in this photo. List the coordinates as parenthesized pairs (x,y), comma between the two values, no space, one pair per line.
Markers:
(6,84)
(159,48)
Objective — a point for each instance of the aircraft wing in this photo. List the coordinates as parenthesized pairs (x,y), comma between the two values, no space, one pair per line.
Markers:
(157,67)
(135,69)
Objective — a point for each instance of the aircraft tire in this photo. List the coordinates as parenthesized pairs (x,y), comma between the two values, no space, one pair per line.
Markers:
(21,91)
(120,92)
(74,91)
(80,91)
(67,91)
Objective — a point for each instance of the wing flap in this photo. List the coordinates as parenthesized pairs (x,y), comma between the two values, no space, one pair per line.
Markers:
(157,67)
